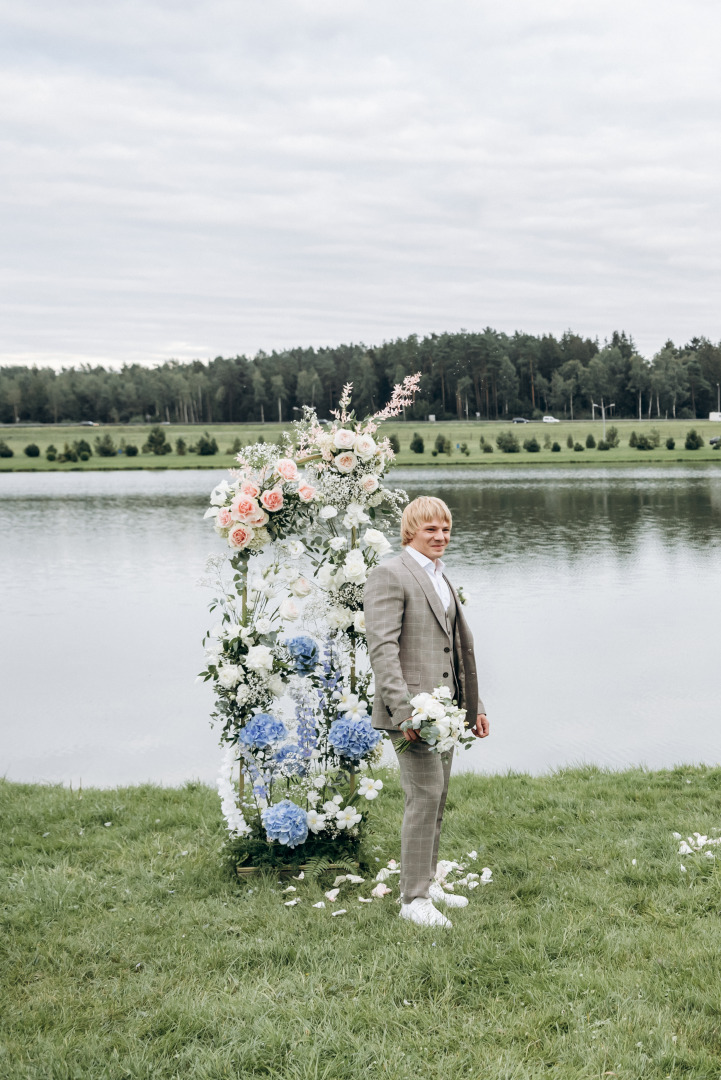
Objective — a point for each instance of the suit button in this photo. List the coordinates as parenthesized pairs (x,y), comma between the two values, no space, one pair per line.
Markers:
(446,649)
(445,674)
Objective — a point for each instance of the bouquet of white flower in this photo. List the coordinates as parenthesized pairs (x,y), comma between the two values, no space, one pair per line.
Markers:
(438,721)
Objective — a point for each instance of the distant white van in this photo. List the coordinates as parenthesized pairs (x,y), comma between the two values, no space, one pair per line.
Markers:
(551,420)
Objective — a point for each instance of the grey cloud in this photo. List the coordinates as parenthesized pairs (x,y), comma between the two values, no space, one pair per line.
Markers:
(194,179)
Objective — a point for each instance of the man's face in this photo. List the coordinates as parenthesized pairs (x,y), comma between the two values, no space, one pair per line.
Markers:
(432,538)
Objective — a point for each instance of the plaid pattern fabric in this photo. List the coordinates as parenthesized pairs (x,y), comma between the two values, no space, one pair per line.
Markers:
(410,645)
(424,779)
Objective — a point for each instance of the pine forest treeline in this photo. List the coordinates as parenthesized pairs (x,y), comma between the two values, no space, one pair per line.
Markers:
(489,373)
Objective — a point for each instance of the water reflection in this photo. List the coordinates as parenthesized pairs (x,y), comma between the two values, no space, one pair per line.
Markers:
(593,602)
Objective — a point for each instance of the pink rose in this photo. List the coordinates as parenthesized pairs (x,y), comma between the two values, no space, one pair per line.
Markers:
(243,507)
(272,499)
(345,462)
(306,493)
(258,518)
(224,518)
(250,488)
(239,537)
(287,469)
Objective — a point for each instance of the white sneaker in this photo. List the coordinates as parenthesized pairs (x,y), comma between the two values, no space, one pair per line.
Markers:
(439,894)
(421,911)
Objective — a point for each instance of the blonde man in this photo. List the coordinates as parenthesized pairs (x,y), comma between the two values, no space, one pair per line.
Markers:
(418,639)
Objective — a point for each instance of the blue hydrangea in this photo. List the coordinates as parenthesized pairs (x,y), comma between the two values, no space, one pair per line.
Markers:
(285,822)
(303,652)
(283,753)
(262,731)
(353,739)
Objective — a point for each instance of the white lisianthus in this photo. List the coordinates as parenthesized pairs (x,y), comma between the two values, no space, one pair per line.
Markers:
(330,807)
(338,543)
(219,494)
(247,635)
(364,447)
(289,573)
(259,658)
(211,512)
(319,781)
(232,631)
(327,512)
(354,567)
(228,676)
(288,610)
(213,649)
(340,618)
(312,797)
(345,462)
(263,625)
(376,541)
(355,515)
(295,548)
(347,817)
(316,821)
(300,587)
(359,622)
(344,439)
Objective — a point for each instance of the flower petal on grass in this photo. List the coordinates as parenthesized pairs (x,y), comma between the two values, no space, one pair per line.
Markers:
(380,891)
(354,879)
(291,903)
(321,903)
(291,888)
(340,911)
(340,879)
(332,895)
(365,899)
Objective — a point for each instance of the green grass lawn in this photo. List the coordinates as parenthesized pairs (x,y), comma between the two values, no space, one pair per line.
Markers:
(130,951)
(457,433)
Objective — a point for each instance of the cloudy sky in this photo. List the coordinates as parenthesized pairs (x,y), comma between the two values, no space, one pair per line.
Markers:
(186,179)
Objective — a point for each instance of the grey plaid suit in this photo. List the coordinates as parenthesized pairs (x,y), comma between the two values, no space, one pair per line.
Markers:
(414,646)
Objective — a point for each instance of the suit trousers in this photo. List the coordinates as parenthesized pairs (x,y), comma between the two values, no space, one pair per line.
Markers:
(424,779)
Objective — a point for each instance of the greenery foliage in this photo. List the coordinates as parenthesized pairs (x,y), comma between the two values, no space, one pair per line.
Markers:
(531,445)
(670,443)
(395,444)
(104,446)
(555,448)
(156,443)
(507,443)
(206,445)
(590,441)
(5,451)
(131,450)
(32,450)
(693,440)
(417,444)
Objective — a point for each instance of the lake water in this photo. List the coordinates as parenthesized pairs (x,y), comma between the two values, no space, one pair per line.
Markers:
(593,597)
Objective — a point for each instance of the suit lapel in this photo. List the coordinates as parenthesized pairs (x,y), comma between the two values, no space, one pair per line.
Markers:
(427,585)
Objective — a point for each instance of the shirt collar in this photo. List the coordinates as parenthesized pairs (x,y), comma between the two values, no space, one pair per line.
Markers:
(423,560)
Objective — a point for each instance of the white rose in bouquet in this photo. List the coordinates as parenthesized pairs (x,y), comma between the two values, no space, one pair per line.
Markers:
(354,567)
(375,540)
(337,543)
(345,462)
(359,622)
(263,625)
(344,439)
(259,658)
(364,447)
(228,676)
(327,512)
(288,610)
(370,483)
(355,515)
(276,684)
(301,587)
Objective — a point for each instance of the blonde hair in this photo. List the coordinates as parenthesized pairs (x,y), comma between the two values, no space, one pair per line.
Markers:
(424,508)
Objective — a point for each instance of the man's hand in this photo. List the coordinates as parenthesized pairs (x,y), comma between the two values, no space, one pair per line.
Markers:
(481,728)
(411,735)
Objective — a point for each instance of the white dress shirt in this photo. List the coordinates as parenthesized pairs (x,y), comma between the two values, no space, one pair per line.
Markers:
(435,573)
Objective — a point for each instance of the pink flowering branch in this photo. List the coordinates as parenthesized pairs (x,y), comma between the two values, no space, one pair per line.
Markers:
(402,396)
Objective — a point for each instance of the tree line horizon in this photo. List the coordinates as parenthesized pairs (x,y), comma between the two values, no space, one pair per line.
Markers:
(488,375)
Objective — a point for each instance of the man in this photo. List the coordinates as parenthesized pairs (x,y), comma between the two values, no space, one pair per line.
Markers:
(418,639)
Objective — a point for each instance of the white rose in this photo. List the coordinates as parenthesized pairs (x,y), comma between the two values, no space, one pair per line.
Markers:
(228,676)
(338,543)
(259,658)
(354,567)
(345,462)
(375,539)
(296,548)
(276,684)
(247,635)
(370,484)
(324,576)
(364,447)
(344,439)
(339,618)
(288,610)
(327,512)
(359,622)
(289,573)
(213,648)
(301,587)
(263,625)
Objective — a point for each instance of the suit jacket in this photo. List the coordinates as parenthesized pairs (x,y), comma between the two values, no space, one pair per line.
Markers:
(410,647)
